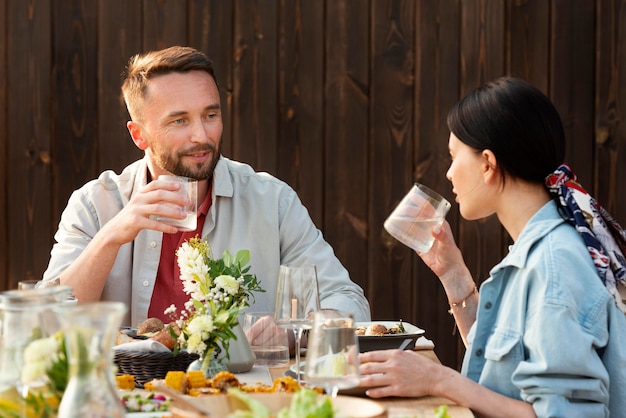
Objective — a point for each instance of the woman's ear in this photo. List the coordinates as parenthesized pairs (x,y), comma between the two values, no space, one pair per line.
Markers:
(135,133)
(490,166)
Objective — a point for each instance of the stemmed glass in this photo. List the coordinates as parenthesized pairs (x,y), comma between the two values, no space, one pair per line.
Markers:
(296,300)
(332,358)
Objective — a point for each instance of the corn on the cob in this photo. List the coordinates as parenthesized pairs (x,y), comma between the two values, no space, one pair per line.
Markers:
(196,379)
(125,381)
(177,380)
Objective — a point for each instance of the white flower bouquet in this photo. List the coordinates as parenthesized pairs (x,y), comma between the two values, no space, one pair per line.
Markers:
(218,290)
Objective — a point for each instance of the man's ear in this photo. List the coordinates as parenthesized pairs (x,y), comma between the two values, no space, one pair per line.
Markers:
(135,133)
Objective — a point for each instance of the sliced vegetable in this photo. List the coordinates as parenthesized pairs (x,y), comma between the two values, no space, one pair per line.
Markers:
(442,412)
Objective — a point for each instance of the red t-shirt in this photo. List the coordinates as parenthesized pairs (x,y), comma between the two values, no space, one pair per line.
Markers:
(168,288)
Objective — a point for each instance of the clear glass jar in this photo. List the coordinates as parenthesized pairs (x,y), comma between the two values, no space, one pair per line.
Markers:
(90,331)
(27,316)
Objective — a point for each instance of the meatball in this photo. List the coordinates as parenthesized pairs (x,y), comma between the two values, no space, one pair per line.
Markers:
(376,329)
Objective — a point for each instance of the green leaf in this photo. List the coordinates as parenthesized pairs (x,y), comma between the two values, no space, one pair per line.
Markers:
(227,257)
(243,257)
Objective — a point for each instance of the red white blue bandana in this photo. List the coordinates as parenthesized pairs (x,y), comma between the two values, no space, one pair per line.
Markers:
(604,237)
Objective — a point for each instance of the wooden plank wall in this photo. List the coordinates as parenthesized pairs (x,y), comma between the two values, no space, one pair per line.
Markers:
(344,99)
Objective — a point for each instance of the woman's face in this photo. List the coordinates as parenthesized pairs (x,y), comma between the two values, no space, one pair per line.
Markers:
(467,175)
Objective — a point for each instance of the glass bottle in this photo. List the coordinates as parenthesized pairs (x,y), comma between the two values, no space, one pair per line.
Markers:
(27,316)
(90,330)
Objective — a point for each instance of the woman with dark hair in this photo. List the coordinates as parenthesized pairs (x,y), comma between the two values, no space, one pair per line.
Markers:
(546,336)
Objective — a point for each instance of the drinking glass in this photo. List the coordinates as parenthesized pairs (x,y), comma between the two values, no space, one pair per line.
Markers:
(188,189)
(269,342)
(296,300)
(44,284)
(27,284)
(332,358)
(412,221)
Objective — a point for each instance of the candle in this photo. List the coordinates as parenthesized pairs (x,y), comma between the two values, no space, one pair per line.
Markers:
(294,308)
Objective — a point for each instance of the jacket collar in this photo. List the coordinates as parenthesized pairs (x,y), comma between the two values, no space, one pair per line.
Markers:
(541,224)
(222,182)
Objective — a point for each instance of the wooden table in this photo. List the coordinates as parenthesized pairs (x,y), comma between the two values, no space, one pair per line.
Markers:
(409,407)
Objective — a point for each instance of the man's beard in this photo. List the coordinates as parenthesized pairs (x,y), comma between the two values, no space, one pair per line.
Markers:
(199,172)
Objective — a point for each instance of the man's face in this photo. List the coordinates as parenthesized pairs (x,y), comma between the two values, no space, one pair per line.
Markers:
(181,125)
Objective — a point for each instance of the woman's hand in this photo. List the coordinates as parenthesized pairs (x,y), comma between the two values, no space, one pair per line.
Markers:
(444,258)
(410,374)
(397,373)
(446,261)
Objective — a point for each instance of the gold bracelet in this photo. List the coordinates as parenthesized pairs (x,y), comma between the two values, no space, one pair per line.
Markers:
(463,303)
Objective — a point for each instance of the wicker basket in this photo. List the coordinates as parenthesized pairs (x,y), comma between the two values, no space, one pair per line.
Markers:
(146,366)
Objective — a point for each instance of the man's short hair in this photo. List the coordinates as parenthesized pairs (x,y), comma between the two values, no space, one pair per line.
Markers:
(142,67)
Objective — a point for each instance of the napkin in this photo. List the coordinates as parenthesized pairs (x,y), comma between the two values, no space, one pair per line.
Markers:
(423,343)
(143,346)
(258,374)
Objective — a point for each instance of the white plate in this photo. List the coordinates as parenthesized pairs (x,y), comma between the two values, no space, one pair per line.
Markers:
(356,391)
(346,406)
(386,342)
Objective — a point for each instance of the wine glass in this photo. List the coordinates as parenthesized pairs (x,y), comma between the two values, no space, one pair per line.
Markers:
(296,300)
(332,358)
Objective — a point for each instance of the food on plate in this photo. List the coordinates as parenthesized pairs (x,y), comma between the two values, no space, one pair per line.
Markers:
(442,412)
(375,329)
(195,379)
(150,326)
(224,381)
(177,380)
(305,403)
(193,383)
(125,381)
(145,402)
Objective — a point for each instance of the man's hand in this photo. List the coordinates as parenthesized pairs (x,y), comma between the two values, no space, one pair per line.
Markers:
(159,198)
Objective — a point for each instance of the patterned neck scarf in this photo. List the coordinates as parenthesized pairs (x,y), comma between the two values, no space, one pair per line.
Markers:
(604,238)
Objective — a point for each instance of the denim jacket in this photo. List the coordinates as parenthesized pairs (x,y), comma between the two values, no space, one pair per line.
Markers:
(250,210)
(547,331)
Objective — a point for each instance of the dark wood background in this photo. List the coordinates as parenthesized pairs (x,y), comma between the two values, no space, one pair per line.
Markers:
(344,99)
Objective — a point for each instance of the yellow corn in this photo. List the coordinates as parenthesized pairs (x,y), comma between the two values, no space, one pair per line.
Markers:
(195,379)
(193,392)
(125,381)
(177,380)
(149,386)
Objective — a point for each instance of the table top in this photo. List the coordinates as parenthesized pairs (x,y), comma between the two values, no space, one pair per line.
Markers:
(408,407)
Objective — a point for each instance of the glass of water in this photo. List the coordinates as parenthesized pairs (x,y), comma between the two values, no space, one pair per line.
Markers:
(269,342)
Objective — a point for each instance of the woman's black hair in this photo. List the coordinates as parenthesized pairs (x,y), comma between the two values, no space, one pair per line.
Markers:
(517,122)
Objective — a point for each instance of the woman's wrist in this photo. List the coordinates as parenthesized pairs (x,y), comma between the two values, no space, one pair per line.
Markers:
(458,284)
(443,381)
(462,303)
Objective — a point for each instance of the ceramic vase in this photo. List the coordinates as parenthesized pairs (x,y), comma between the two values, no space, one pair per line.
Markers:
(241,358)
